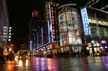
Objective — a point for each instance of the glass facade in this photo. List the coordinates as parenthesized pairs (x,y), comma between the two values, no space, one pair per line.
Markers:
(98,24)
(63,29)
(69,26)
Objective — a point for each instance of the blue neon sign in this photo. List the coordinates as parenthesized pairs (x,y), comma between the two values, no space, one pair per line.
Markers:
(85,21)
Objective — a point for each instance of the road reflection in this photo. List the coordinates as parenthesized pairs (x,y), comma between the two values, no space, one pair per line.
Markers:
(70,64)
(105,62)
(23,64)
(57,64)
(10,66)
(44,64)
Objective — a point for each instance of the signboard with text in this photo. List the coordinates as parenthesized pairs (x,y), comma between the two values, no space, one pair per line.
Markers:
(85,21)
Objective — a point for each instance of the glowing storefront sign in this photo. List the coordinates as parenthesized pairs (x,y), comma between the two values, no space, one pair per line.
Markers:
(85,21)
(100,22)
(53,23)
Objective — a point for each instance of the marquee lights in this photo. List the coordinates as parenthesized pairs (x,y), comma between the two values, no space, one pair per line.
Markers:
(53,23)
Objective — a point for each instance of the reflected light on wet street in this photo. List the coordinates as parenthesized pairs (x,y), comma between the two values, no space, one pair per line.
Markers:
(43,64)
(20,63)
(105,62)
(27,62)
(57,64)
(70,64)
(10,66)
(52,64)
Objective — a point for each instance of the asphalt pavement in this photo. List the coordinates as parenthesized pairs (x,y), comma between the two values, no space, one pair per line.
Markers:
(96,63)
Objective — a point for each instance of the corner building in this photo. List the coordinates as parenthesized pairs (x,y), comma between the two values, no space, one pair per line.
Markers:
(69,23)
(72,28)
(65,27)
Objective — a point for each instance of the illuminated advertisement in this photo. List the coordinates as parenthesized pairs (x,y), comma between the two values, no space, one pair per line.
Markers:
(50,16)
(53,23)
(85,21)
(69,28)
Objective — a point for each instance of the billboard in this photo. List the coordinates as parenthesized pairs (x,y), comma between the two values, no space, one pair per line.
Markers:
(85,21)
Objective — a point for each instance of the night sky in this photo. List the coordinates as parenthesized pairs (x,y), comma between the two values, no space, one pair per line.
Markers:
(19,12)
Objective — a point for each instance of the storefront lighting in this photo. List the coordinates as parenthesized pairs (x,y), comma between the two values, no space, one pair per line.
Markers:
(44,47)
(89,20)
(93,21)
(101,47)
(93,41)
(89,44)
(87,48)
(48,48)
(106,47)
(97,44)
(10,49)
(103,42)
(100,22)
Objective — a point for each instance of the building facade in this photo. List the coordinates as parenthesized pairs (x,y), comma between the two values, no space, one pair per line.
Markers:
(70,28)
(69,22)
(98,23)
(3,24)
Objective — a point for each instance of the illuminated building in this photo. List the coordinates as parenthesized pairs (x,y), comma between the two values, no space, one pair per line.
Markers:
(71,26)
(98,23)
(3,23)
(39,26)
(68,26)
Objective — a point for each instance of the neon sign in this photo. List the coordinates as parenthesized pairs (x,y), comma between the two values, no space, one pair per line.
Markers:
(53,23)
(85,21)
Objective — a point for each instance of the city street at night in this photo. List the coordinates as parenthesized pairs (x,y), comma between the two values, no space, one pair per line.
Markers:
(53,35)
(57,64)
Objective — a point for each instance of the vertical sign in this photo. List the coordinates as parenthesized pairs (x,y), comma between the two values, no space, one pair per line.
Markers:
(30,45)
(49,39)
(85,21)
(53,23)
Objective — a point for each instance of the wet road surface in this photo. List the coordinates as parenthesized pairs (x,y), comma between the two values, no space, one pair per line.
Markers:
(57,64)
